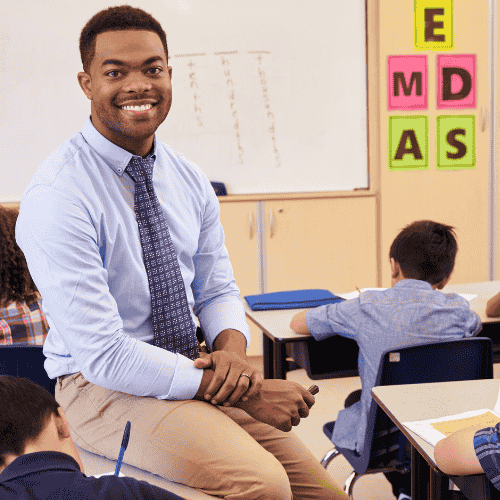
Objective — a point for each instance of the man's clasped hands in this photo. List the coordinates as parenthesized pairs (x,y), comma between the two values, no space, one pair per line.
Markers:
(236,382)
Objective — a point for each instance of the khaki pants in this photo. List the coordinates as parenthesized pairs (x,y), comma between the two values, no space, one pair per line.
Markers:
(220,451)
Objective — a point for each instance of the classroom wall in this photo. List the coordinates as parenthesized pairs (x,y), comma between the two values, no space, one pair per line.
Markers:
(456,197)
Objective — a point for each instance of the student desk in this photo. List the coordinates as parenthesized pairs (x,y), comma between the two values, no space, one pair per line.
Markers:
(96,464)
(277,334)
(406,403)
(484,291)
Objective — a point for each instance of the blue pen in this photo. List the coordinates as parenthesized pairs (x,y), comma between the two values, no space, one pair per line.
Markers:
(124,445)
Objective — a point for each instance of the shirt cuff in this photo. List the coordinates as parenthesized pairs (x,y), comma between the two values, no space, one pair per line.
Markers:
(186,381)
(317,323)
(221,315)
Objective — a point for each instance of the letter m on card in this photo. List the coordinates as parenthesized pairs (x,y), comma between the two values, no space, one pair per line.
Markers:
(407,82)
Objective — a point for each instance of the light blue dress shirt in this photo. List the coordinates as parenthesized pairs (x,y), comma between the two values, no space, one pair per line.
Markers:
(409,313)
(78,231)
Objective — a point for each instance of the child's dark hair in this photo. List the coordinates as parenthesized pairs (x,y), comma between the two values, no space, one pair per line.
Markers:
(16,284)
(123,17)
(25,410)
(425,250)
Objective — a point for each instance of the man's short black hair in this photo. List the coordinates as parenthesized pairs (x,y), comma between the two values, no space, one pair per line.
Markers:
(25,408)
(123,17)
(425,250)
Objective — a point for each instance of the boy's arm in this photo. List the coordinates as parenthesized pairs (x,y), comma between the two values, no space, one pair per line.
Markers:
(298,323)
(455,454)
(493,306)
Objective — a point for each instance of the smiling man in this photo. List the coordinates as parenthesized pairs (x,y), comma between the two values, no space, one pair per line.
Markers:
(123,239)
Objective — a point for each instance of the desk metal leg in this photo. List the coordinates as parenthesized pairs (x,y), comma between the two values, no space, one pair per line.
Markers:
(268,348)
(419,476)
(438,486)
(279,356)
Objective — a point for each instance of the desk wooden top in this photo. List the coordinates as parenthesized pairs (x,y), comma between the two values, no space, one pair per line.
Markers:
(277,323)
(484,291)
(407,403)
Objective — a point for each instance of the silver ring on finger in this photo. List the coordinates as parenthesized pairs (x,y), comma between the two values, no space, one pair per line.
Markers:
(246,375)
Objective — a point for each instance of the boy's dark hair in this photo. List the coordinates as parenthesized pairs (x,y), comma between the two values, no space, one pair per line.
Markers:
(123,17)
(425,250)
(25,408)
(16,284)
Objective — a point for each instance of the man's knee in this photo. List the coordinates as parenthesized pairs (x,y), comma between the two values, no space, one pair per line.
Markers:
(269,482)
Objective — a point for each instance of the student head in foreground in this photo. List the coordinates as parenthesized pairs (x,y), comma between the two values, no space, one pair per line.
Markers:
(413,311)
(38,458)
(21,318)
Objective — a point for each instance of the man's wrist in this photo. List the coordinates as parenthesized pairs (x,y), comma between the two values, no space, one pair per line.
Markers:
(232,341)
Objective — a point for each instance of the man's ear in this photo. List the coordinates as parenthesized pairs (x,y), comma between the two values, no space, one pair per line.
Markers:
(85,82)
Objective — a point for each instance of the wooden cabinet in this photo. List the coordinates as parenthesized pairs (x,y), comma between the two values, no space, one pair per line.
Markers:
(301,243)
(321,243)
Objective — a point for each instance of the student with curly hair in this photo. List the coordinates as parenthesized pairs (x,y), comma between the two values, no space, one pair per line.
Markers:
(21,318)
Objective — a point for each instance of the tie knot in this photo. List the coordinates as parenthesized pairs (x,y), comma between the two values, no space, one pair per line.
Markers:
(141,169)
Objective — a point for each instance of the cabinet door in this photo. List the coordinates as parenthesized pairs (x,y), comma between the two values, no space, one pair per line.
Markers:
(239,220)
(455,197)
(321,243)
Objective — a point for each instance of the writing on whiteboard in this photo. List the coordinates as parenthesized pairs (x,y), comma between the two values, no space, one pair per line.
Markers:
(267,105)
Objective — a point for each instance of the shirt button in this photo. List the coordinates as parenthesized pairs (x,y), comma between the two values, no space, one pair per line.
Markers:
(119,170)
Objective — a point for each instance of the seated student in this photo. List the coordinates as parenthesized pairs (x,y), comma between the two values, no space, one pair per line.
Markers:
(422,258)
(38,458)
(21,318)
(473,450)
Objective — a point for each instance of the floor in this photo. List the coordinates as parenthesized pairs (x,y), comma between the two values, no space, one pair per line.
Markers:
(329,401)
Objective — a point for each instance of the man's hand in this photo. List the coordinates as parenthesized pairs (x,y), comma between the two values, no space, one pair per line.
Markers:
(228,385)
(280,403)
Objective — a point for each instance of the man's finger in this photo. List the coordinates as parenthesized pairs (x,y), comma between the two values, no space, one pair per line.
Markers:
(241,389)
(255,385)
(218,379)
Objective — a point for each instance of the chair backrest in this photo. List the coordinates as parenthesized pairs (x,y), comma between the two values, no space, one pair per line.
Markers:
(26,361)
(455,360)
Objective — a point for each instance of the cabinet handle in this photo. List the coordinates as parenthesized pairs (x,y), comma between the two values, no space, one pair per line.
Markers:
(250,224)
(483,118)
(271,222)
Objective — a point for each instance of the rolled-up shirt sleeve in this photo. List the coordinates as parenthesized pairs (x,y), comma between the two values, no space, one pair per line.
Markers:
(59,241)
(217,297)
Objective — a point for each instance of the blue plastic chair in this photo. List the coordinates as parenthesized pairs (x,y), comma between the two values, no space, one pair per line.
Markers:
(26,361)
(462,359)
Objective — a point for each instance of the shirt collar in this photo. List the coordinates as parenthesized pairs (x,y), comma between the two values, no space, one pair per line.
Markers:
(115,157)
(416,284)
(37,462)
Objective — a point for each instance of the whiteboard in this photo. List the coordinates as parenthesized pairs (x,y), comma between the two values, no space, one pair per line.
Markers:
(269,96)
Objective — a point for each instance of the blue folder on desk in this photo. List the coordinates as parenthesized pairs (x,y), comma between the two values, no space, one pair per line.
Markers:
(294,299)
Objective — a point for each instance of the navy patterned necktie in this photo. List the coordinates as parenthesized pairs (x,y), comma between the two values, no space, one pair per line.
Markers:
(173,326)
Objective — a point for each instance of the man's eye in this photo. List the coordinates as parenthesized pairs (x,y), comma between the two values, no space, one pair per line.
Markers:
(158,70)
(110,73)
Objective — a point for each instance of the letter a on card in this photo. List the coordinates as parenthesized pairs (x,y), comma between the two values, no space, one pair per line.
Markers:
(433,28)
(408,142)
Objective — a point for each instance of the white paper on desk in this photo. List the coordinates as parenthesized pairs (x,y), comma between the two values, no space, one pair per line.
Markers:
(427,430)
(353,295)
